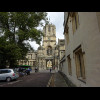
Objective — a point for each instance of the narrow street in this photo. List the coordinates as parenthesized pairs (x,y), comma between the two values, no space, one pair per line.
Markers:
(42,78)
(33,80)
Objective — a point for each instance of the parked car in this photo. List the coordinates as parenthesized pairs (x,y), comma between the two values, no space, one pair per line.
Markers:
(8,74)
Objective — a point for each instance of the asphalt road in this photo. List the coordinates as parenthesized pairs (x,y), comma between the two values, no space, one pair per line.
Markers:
(32,80)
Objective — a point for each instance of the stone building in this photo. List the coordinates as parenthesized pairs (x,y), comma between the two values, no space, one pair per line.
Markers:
(47,54)
(82,48)
(30,59)
(61,52)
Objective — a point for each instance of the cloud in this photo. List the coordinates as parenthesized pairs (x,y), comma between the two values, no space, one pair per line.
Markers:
(57,18)
(34,45)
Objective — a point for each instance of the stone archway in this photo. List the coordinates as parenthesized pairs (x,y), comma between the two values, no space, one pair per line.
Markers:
(49,64)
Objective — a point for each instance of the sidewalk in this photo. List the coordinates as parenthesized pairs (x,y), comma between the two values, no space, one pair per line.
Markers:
(57,81)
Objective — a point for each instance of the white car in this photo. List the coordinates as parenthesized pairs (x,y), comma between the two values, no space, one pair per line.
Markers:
(8,74)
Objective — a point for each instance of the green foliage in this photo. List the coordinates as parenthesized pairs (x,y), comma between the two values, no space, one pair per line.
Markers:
(15,29)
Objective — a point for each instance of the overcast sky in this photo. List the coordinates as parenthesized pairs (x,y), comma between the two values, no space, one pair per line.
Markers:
(56,18)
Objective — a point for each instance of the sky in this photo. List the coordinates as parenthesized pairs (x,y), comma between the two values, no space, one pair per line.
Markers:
(56,18)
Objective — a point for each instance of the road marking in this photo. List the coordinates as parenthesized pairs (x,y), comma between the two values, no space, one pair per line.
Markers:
(11,83)
(51,81)
(15,82)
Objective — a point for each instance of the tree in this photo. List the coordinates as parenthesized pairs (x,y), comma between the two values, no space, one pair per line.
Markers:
(15,29)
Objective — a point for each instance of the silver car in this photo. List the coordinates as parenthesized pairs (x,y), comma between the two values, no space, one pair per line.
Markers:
(8,74)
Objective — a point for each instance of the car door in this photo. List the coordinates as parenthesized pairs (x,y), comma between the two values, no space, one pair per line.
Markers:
(3,74)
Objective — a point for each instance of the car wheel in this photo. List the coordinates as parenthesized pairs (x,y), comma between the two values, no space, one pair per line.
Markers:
(8,79)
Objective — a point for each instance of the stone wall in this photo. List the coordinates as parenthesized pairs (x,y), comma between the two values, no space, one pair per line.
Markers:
(88,36)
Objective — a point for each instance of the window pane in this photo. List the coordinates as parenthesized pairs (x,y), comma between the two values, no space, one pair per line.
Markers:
(9,71)
(79,63)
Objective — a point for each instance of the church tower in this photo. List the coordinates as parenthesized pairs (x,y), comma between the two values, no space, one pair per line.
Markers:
(47,52)
(49,35)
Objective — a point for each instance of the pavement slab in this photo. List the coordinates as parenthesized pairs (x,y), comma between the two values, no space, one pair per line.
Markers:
(59,80)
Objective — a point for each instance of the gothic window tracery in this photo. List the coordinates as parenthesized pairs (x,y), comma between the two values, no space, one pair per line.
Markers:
(53,30)
(49,50)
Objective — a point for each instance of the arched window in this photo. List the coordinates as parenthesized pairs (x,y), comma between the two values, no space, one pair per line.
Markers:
(53,30)
(49,50)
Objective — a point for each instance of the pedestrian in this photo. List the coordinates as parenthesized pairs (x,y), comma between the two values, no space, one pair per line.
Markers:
(36,69)
(50,70)
(28,71)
